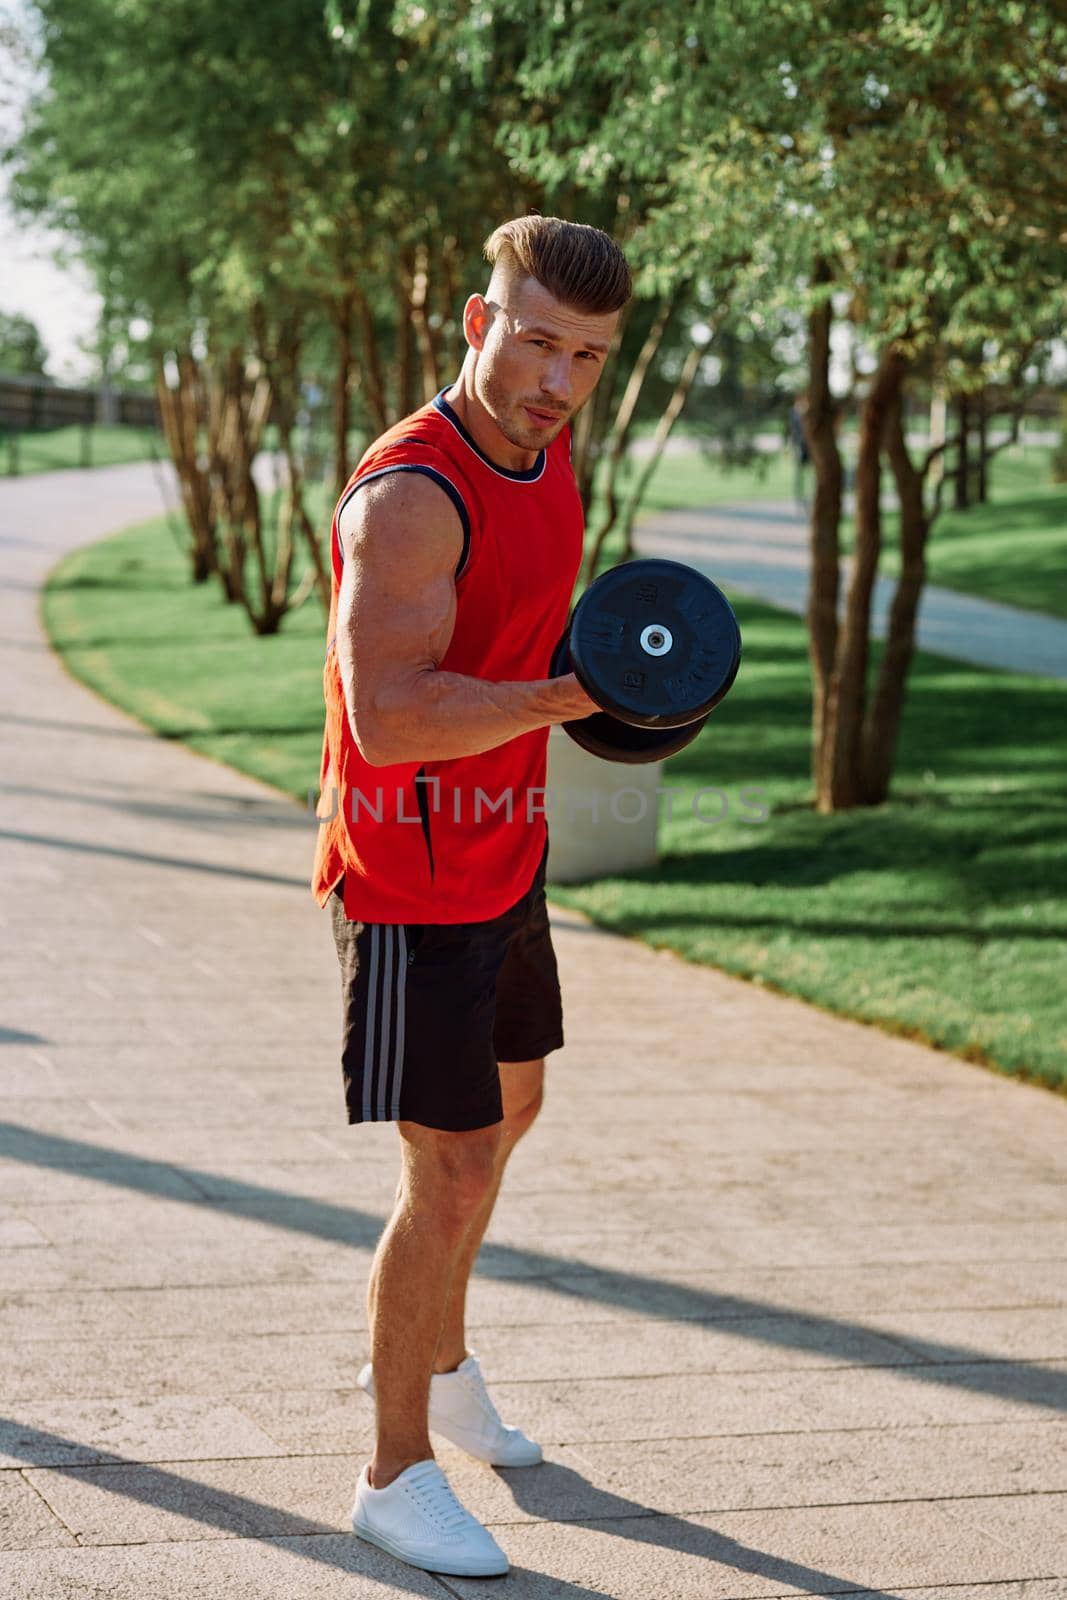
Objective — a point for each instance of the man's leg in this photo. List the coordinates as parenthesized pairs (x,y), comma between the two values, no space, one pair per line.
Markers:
(443,1186)
(521,1087)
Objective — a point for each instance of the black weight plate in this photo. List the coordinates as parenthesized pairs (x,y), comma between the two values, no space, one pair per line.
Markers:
(655,643)
(605,736)
(613,740)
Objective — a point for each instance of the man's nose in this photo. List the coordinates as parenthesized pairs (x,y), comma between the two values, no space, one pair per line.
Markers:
(556,380)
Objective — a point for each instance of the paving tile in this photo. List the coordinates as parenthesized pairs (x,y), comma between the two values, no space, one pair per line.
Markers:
(183,1500)
(199,1365)
(173,1427)
(851,1466)
(318,1567)
(19,1233)
(737,1555)
(26,1522)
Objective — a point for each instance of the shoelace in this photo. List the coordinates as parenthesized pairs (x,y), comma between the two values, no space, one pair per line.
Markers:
(438,1500)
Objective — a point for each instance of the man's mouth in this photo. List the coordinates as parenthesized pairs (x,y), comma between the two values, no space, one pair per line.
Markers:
(544,419)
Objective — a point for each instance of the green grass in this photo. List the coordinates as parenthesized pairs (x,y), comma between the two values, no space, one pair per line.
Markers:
(942,915)
(1013,549)
(62,447)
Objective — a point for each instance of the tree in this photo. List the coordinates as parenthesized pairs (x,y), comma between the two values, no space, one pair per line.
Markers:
(22,350)
(895,165)
(281,173)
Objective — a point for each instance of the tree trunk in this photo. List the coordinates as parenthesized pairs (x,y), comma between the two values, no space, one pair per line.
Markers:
(587,441)
(619,436)
(963,453)
(883,718)
(666,422)
(452,341)
(842,776)
(417,284)
(982,464)
(342,408)
(284,365)
(938,431)
(825,524)
(404,365)
(180,415)
(373,381)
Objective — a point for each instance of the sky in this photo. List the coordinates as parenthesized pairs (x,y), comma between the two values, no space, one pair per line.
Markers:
(59,299)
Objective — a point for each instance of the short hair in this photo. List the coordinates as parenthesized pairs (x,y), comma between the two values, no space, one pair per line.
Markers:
(580,265)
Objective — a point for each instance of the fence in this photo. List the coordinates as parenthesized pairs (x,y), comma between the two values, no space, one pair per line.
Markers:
(35,406)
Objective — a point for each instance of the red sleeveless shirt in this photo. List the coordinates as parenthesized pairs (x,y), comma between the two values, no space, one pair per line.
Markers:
(457,840)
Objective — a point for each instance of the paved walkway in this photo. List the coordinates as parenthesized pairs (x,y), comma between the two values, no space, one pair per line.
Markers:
(762,550)
(783,1297)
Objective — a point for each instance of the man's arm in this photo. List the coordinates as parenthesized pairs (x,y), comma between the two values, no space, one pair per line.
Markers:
(402,540)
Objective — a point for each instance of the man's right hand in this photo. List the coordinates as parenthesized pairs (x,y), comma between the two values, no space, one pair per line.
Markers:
(572,700)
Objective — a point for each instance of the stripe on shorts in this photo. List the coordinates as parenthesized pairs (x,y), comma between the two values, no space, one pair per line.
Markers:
(372,1009)
(388,1009)
(383,1048)
(401,993)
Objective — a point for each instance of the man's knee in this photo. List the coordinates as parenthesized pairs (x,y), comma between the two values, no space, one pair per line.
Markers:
(519,1118)
(522,1088)
(449,1174)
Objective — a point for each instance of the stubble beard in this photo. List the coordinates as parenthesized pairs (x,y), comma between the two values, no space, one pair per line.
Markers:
(509,417)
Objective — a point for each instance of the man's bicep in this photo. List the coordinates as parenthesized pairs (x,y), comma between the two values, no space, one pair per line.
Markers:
(401,539)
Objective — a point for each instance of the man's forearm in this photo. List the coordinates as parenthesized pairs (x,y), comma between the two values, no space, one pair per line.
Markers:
(441,715)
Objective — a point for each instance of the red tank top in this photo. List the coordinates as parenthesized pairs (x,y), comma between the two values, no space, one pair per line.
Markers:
(456,840)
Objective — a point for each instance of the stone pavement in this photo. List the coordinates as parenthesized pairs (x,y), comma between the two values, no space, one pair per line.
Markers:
(761,549)
(783,1297)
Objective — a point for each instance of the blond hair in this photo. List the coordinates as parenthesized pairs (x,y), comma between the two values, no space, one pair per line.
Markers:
(580,265)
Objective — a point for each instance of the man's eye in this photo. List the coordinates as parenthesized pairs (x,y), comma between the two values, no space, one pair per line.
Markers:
(543,343)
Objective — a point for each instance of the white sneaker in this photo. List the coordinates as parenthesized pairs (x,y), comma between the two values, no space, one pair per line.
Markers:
(418,1519)
(462,1412)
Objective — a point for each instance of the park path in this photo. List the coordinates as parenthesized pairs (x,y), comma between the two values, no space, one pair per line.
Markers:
(761,549)
(782,1296)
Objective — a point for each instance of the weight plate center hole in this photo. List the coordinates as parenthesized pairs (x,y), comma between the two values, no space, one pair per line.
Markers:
(656,639)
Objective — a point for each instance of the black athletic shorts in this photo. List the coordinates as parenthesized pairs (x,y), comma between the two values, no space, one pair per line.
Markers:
(428,1010)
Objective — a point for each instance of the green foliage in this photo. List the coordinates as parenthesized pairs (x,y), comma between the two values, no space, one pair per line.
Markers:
(22,350)
(917,148)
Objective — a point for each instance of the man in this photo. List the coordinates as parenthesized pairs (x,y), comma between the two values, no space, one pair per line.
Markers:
(455,550)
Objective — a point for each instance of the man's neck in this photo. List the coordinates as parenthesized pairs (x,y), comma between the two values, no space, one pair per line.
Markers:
(481,427)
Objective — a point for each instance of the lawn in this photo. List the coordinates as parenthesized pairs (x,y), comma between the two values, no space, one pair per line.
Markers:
(1013,549)
(62,447)
(942,914)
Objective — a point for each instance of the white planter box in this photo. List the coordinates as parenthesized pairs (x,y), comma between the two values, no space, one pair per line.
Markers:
(602,815)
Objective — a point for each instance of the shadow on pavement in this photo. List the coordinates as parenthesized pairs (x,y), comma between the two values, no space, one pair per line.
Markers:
(154,1486)
(253,1519)
(922,1360)
(147,858)
(634,1521)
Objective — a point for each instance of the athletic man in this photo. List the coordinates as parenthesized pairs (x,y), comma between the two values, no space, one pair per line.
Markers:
(455,550)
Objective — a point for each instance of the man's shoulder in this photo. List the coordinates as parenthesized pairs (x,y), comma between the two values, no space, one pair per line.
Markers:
(424,427)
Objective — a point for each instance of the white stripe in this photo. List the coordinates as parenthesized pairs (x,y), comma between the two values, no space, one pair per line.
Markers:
(398,1054)
(368,1042)
(388,1001)
(510,476)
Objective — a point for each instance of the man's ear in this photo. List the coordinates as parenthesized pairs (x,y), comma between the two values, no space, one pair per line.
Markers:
(477,320)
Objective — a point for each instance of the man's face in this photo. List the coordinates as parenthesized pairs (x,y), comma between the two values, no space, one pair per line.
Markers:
(538,361)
